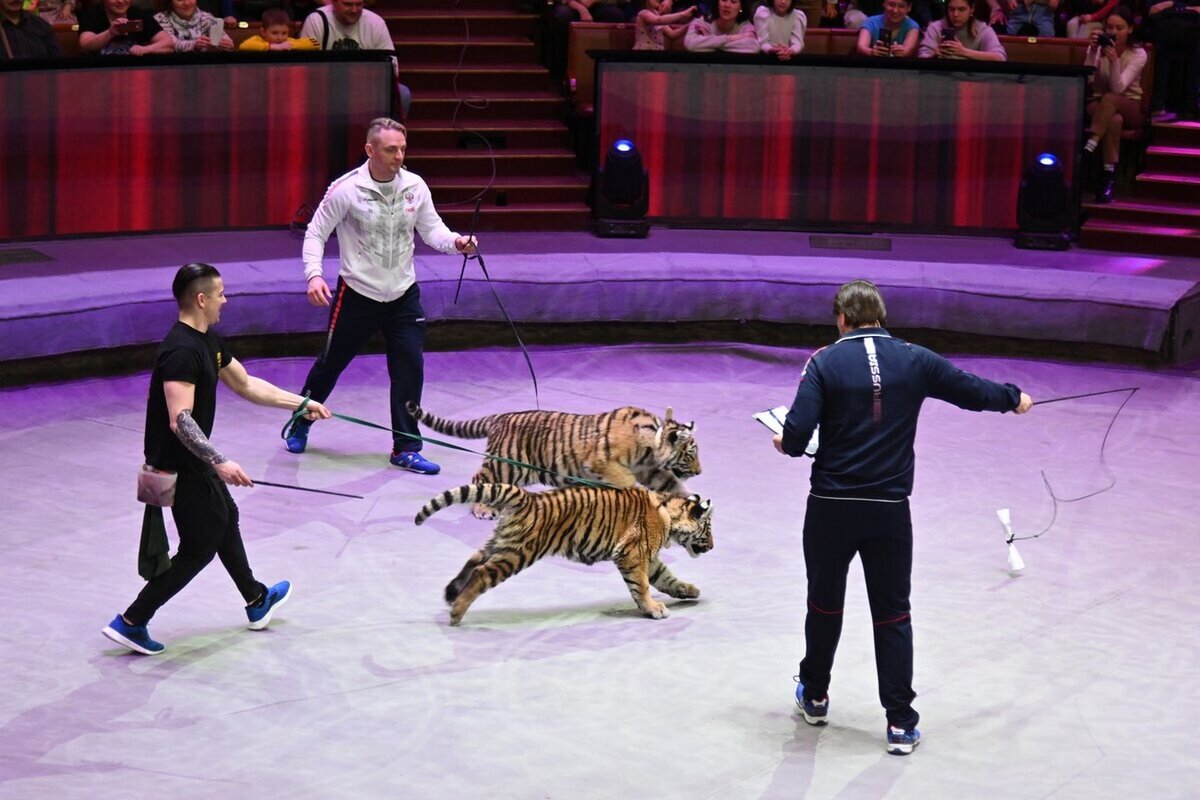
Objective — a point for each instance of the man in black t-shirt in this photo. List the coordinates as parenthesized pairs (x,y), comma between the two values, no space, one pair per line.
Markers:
(179,418)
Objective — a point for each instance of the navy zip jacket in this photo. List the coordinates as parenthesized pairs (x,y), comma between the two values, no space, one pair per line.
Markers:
(865,390)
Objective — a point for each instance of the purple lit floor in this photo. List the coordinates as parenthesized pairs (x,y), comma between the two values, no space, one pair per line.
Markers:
(1073,680)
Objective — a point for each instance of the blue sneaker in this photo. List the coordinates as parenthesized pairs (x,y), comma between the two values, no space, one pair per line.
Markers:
(901,741)
(135,637)
(413,461)
(260,615)
(297,438)
(815,711)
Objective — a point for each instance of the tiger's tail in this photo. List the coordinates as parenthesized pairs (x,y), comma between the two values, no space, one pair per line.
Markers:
(460,429)
(496,495)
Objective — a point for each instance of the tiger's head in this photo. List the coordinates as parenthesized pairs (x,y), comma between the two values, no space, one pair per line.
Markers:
(677,448)
(691,523)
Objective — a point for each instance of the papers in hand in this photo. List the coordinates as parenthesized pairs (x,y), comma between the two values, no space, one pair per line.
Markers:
(773,418)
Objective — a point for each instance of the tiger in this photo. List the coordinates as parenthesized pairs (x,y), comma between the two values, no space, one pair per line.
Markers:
(623,448)
(585,524)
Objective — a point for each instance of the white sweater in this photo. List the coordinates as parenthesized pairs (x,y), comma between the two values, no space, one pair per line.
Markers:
(775,31)
(375,232)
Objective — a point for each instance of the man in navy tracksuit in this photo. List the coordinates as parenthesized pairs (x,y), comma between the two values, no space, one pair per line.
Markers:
(865,391)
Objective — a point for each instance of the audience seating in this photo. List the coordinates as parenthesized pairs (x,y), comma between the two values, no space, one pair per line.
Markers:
(68,39)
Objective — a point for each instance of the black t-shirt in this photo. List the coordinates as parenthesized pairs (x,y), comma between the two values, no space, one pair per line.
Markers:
(189,356)
(94,20)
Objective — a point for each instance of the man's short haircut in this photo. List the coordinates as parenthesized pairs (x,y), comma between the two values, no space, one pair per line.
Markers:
(187,279)
(275,16)
(381,124)
(862,304)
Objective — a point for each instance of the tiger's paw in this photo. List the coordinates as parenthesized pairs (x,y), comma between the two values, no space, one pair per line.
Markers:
(684,591)
(480,511)
(656,610)
(455,619)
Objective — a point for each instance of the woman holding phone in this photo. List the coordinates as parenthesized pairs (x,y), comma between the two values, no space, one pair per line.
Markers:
(891,34)
(193,30)
(960,36)
(1116,92)
(116,28)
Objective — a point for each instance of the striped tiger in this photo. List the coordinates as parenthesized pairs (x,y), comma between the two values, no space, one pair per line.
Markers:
(625,447)
(581,523)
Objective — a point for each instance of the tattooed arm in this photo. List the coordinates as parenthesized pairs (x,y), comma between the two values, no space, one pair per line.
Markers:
(180,398)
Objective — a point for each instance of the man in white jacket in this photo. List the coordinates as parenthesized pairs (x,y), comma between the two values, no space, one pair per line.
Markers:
(375,210)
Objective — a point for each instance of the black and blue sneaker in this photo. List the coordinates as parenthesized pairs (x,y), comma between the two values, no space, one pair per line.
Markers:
(135,637)
(815,712)
(297,438)
(901,741)
(413,461)
(260,615)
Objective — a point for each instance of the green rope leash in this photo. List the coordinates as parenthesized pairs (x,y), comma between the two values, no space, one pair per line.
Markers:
(502,459)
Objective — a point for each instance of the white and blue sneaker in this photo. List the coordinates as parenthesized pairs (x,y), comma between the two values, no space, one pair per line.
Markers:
(901,741)
(260,615)
(815,711)
(413,461)
(297,438)
(135,637)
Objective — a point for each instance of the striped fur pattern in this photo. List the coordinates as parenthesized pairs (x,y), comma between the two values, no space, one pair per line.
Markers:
(625,447)
(582,523)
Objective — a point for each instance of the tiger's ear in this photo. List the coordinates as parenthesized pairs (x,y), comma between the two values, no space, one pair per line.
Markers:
(701,509)
(695,498)
(670,415)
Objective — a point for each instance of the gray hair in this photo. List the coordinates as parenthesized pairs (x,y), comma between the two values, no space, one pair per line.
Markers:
(381,124)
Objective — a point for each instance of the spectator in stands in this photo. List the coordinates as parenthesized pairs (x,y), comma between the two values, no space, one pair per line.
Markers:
(1023,17)
(24,35)
(960,36)
(115,28)
(1174,26)
(729,30)
(56,12)
(346,25)
(780,29)
(921,12)
(277,34)
(1088,16)
(1116,92)
(890,34)
(193,30)
(656,23)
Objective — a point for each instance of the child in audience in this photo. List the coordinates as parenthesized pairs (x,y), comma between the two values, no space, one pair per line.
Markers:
(656,24)
(780,27)
(960,36)
(277,34)
(728,30)
(1116,92)
(890,34)
(192,29)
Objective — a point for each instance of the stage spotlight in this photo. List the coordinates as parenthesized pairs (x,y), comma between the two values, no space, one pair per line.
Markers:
(622,195)
(1044,212)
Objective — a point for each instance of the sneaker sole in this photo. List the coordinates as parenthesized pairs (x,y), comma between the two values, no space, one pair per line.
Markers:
(818,721)
(415,471)
(113,634)
(266,620)
(902,749)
